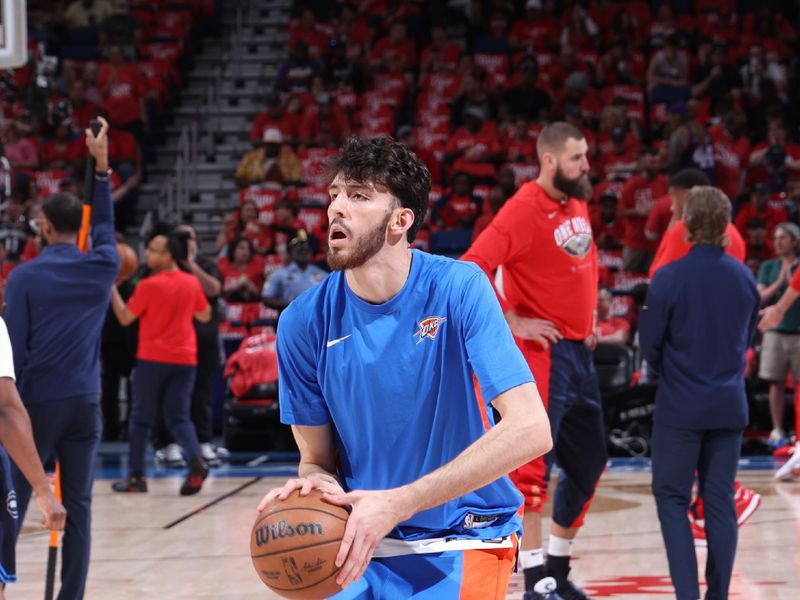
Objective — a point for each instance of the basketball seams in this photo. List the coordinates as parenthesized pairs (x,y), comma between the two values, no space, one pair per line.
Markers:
(287,509)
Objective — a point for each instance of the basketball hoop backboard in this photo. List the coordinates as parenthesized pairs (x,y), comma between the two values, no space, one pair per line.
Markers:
(13,34)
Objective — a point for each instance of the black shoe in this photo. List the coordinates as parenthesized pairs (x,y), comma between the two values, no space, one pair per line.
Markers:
(569,591)
(135,484)
(545,589)
(198,471)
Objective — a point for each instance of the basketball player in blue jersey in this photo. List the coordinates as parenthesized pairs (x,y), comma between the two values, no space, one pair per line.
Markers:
(386,373)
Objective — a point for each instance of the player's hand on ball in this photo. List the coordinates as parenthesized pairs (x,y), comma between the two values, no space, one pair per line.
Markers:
(374,514)
(317,481)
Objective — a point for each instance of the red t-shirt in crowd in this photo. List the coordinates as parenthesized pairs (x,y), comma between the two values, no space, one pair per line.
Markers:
(548,256)
(674,246)
(771,216)
(612,325)
(611,165)
(231,274)
(615,229)
(54,150)
(165,304)
(84,113)
(640,193)
(121,100)
(731,157)
(288,124)
(660,217)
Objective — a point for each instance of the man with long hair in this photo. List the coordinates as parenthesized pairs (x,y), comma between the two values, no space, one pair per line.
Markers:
(701,403)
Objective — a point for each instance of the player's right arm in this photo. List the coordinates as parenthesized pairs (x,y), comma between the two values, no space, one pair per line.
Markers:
(317,464)
(508,237)
(16,435)
(303,407)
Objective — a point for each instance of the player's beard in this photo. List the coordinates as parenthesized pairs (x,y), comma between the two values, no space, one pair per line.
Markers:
(362,248)
(580,187)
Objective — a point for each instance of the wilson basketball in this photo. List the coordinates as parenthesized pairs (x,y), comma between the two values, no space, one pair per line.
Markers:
(294,545)
(128,262)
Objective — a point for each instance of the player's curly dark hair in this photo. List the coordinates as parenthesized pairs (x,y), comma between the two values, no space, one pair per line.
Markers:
(388,163)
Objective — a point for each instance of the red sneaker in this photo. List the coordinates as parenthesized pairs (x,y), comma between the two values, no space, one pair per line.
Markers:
(698,531)
(747,502)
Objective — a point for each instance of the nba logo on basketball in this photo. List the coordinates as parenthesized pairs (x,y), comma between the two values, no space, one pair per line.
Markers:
(429,327)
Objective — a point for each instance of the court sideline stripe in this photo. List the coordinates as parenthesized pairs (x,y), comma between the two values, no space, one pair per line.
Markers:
(217,500)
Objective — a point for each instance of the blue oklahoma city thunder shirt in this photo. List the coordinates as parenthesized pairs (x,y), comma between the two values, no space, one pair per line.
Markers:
(396,381)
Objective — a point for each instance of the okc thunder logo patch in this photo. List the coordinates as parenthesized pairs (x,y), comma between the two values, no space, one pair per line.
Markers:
(429,327)
(574,236)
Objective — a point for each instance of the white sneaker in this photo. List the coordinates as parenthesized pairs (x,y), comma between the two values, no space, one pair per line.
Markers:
(545,586)
(791,469)
(209,455)
(222,453)
(777,438)
(173,456)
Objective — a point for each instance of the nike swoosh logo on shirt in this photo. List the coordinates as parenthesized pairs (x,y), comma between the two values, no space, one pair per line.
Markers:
(337,340)
(552,215)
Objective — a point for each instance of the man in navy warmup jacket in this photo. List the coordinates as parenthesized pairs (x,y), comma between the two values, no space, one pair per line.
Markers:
(55,308)
(699,317)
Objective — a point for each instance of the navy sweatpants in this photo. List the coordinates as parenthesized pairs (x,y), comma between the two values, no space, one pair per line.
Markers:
(714,455)
(567,381)
(69,431)
(575,408)
(169,386)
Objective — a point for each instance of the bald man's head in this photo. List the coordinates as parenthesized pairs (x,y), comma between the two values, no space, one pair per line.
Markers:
(554,137)
(563,161)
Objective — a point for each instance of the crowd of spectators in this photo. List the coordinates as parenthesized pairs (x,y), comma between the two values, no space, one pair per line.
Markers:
(121,59)
(656,87)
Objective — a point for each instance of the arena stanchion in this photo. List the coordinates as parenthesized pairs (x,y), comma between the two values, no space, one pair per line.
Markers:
(83,245)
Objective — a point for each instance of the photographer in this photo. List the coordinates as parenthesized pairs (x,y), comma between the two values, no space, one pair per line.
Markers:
(771,160)
(166,303)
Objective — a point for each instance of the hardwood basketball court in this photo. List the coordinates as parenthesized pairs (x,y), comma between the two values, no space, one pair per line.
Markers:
(153,546)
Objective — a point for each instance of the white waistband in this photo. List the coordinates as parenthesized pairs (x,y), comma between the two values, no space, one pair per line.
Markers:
(389,547)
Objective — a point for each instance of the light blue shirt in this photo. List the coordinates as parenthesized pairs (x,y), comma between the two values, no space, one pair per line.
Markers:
(288,282)
(395,380)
